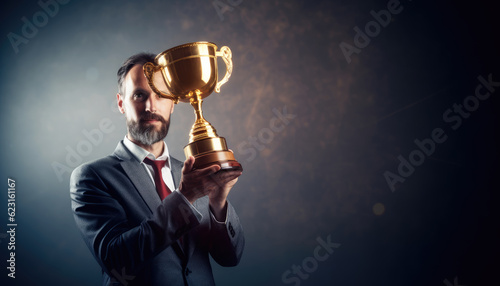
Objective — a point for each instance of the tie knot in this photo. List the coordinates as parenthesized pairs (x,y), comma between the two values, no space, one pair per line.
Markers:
(155,163)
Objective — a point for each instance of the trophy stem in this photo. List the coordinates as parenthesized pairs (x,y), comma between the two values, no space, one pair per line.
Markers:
(201,129)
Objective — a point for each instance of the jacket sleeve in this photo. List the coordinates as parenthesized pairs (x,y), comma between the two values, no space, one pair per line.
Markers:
(226,238)
(115,243)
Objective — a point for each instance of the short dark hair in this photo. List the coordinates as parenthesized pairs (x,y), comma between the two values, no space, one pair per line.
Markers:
(137,59)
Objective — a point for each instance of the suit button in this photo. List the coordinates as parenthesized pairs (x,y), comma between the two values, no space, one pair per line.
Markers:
(231,230)
(187,271)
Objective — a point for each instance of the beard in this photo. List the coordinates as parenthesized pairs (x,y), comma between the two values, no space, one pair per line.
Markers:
(148,134)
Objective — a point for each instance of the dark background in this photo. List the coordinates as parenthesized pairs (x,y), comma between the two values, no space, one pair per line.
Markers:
(321,176)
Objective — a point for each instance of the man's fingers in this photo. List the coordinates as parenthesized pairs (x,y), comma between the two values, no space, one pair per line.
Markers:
(188,167)
(230,175)
(208,170)
(221,178)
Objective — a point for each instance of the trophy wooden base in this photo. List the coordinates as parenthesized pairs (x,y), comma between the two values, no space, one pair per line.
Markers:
(211,151)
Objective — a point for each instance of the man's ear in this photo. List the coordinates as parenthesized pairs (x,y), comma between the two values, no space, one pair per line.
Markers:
(172,108)
(119,101)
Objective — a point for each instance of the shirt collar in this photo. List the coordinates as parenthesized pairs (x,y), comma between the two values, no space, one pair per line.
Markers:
(140,153)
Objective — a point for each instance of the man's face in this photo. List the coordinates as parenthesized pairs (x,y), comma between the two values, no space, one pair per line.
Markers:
(147,114)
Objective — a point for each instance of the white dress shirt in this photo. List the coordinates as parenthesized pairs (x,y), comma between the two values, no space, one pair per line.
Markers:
(140,153)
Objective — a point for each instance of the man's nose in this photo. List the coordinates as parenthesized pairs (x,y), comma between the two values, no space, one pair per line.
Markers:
(152,103)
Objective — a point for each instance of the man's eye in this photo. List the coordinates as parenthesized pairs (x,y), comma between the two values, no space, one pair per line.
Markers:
(138,96)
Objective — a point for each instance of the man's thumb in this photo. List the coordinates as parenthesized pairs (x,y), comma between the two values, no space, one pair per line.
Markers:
(188,165)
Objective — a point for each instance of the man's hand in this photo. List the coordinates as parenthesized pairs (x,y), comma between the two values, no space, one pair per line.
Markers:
(201,182)
(217,198)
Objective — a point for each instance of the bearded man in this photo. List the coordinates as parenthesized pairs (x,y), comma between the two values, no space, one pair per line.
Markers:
(148,218)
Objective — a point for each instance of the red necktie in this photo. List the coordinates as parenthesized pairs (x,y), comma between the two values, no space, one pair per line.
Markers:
(161,187)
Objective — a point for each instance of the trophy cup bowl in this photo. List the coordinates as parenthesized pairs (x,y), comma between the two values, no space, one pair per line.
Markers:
(188,73)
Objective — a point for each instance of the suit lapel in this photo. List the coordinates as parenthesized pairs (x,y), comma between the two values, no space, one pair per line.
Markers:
(139,177)
(143,184)
(176,170)
(185,248)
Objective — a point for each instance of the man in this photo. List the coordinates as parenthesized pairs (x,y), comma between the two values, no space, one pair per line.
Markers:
(136,234)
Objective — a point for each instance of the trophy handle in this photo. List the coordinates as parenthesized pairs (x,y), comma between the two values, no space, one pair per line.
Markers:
(149,69)
(225,53)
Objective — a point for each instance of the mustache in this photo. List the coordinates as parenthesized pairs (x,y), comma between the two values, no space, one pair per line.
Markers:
(151,116)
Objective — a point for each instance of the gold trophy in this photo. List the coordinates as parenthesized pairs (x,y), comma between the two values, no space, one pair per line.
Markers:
(188,73)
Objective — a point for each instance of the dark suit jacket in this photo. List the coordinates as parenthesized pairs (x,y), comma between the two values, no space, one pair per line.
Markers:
(135,236)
